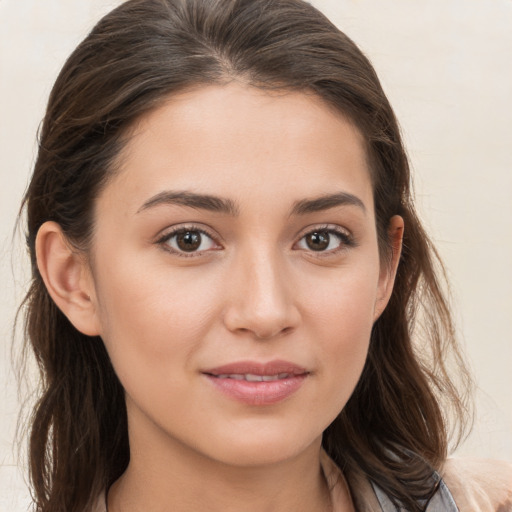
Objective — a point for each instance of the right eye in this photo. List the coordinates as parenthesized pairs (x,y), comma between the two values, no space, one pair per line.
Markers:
(188,241)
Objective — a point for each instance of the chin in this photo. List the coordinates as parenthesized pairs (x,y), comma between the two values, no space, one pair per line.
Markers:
(263,448)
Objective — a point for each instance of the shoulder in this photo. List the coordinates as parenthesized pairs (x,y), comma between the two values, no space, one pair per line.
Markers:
(479,485)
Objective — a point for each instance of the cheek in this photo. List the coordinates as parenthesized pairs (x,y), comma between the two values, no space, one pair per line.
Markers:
(342,304)
(153,321)
(339,315)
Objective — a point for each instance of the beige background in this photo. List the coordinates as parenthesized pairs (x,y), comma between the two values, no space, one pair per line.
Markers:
(446,66)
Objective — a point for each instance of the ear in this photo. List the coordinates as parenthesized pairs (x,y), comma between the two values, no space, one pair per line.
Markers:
(389,266)
(67,277)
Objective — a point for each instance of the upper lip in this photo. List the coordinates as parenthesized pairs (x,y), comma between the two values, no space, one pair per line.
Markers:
(257,368)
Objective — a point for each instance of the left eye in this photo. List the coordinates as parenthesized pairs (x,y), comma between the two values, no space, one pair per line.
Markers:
(189,241)
(323,240)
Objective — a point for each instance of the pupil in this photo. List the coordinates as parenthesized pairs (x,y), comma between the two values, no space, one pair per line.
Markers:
(189,240)
(318,240)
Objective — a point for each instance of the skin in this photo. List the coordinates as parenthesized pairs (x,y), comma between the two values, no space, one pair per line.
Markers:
(254,291)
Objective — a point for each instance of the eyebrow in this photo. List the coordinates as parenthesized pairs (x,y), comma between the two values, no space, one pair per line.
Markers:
(192,200)
(326,202)
(229,207)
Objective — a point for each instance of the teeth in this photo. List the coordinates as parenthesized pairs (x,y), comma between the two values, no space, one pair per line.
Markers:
(253,378)
(250,377)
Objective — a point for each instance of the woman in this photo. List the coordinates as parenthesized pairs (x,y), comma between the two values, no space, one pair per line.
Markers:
(227,267)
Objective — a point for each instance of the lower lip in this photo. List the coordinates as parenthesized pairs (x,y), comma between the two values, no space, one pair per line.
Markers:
(258,393)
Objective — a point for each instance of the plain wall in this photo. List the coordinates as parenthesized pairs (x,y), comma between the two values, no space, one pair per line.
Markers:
(445,65)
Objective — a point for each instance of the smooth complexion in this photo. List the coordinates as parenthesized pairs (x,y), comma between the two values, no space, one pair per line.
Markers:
(239,230)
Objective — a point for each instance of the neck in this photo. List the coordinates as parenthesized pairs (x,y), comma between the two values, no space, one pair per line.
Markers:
(175,477)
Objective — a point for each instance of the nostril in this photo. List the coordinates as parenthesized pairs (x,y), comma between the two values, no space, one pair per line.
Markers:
(263,335)
(262,315)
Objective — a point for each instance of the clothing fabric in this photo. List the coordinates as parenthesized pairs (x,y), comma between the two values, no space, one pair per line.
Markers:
(464,485)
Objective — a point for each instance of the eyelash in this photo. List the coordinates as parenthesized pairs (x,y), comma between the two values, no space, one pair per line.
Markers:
(163,240)
(346,240)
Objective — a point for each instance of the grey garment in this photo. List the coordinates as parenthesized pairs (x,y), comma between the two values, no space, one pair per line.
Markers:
(441,501)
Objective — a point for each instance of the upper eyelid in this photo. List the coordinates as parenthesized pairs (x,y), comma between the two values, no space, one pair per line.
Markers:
(324,227)
(173,230)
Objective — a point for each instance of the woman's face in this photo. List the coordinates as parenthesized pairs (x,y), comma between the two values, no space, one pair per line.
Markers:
(236,274)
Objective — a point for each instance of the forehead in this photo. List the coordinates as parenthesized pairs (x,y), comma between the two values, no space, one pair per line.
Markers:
(237,140)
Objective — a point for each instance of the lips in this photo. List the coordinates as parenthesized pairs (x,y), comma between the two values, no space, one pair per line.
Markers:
(256,383)
(251,377)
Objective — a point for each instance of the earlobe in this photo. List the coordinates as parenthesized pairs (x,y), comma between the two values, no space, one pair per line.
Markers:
(67,278)
(389,268)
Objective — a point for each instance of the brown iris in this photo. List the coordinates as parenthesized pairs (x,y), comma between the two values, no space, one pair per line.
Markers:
(318,240)
(188,240)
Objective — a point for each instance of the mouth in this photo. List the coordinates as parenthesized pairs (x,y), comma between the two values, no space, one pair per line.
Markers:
(251,377)
(254,383)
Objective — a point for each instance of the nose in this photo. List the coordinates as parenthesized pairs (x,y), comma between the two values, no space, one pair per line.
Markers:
(261,300)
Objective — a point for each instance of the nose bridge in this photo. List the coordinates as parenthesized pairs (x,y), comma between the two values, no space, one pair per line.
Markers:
(261,301)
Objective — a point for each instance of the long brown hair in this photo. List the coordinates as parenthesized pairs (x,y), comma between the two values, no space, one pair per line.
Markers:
(395,426)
